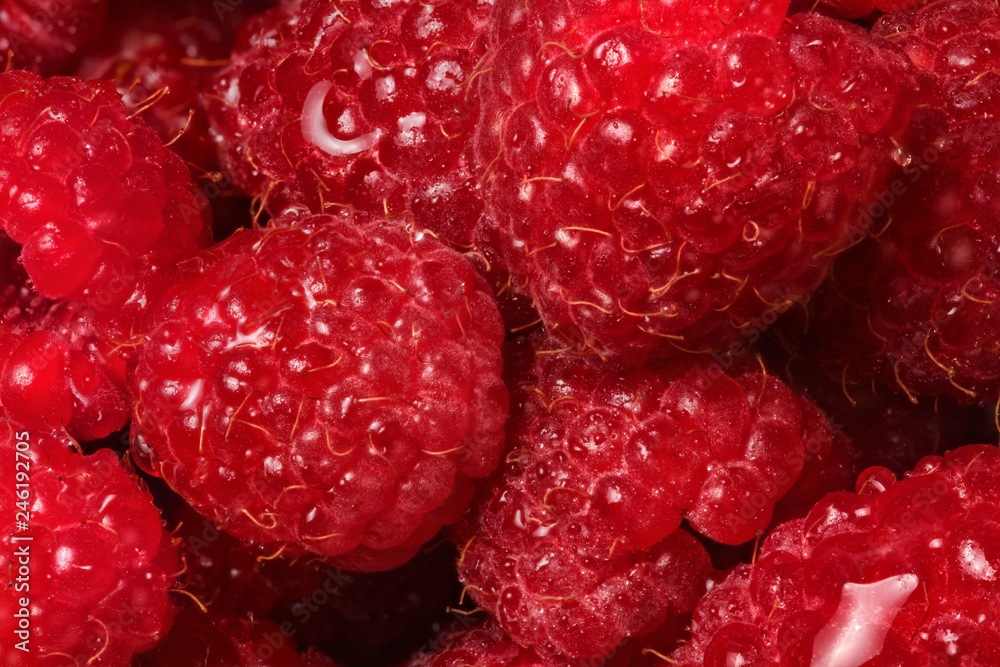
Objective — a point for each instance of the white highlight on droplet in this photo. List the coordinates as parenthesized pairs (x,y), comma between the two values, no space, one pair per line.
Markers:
(315,131)
(193,398)
(858,628)
(410,121)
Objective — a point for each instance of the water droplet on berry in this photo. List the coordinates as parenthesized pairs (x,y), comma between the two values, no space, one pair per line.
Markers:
(902,157)
(142,454)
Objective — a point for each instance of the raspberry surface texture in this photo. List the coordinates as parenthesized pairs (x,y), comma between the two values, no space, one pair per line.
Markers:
(364,104)
(87,191)
(919,305)
(56,370)
(668,179)
(574,545)
(324,385)
(902,572)
(99,562)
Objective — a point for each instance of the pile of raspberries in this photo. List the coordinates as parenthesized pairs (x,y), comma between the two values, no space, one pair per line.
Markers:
(499,333)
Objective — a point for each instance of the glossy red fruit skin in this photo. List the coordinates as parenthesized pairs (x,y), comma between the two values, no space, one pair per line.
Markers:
(88,192)
(324,385)
(932,536)
(917,307)
(367,106)
(359,105)
(653,199)
(98,566)
(47,36)
(574,544)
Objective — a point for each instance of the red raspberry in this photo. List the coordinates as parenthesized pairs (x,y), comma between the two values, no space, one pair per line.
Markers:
(93,208)
(86,190)
(360,104)
(360,618)
(330,386)
(574,546)
(99,563)
(55,368)
(904,570)
(919,305)
(161,57)
(672,193)
(45,36)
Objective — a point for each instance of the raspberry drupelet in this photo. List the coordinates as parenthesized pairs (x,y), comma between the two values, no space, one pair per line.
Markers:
(671,179)
(574,544)
(902,572)
(919,305)
(92,211)
(361,104)
(325,384)
(99,563)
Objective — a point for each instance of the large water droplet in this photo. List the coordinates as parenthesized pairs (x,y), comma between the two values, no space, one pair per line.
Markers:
(858,628)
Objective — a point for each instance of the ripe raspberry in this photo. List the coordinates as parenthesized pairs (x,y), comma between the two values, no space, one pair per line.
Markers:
(324,385)
(87,192)
(671,193)
(45,36)
(574,545)
(55,369)
(358,104)
(904,570)
(374,618)
(919,305)
(99,564)
(161,57)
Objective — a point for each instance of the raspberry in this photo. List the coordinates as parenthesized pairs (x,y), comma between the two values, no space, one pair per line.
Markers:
(55,369)
(359,618)
(651,197)
(918,306)
(324,385)
(574,545)
(99,563)
(46,36)
(161,57)
(88,192)
(358,104)
(903,571)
